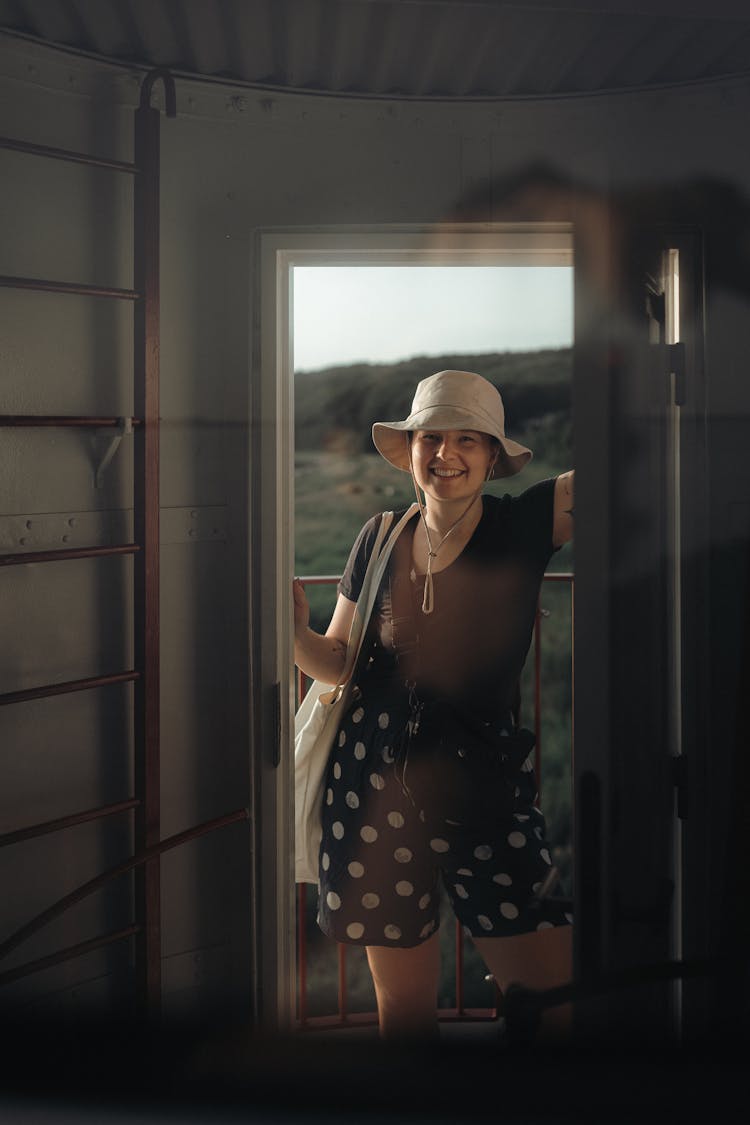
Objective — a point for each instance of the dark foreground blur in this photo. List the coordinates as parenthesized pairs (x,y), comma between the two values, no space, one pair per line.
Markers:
(127,1073)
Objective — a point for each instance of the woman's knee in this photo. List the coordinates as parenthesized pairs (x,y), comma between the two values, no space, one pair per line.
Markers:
(406,974)
(542,959)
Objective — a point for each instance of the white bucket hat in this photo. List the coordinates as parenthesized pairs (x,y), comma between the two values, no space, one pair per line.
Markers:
(452,400)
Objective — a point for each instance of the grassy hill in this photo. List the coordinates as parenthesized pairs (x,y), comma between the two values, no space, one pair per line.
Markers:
(335,407)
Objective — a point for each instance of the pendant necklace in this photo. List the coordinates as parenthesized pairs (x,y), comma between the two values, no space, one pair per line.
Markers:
(428,599)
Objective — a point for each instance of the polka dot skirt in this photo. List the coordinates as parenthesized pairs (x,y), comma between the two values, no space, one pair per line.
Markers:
(381,862)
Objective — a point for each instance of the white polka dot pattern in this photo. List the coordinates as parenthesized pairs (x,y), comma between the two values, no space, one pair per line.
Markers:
(489,897)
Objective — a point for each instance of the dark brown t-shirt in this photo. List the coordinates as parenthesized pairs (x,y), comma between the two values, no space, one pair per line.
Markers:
(472,648)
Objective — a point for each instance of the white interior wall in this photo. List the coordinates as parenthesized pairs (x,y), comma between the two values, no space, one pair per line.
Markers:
(233,161)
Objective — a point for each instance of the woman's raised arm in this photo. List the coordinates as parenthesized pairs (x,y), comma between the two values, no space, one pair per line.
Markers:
(321,656)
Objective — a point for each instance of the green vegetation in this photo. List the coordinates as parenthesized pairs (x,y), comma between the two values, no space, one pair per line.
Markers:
(335,407)
(340,481)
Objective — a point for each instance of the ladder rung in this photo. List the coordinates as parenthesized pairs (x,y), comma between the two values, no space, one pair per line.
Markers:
(68,154)
(76,420)
(21,558)
(68,287)
(47,826)
(67,954)
(66,688)
(140,859)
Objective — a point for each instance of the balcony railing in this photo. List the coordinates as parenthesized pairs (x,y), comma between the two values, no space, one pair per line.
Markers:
(340,1014)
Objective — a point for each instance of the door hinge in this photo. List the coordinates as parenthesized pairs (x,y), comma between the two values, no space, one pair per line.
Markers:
(680,782)
(676,368)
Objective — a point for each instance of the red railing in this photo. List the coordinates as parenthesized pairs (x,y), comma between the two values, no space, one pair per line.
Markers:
(343,1017)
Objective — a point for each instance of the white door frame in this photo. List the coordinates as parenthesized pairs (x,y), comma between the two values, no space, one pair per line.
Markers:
(277,252)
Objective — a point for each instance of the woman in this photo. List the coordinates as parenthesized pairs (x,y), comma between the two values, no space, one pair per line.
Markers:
(450,630)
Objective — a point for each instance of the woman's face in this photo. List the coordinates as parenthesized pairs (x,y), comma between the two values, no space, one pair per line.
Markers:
(451,464)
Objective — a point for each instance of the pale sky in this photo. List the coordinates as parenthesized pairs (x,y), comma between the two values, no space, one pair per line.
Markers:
(377,314)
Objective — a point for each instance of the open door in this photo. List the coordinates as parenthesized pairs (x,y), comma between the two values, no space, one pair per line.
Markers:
(638,404)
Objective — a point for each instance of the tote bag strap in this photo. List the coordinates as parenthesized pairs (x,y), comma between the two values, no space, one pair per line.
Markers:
(376,565)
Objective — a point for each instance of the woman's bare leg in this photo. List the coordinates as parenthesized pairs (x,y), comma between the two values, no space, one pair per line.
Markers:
(406,986)
(542,959)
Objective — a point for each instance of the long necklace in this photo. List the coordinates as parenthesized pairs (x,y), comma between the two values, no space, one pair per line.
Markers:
(428,596)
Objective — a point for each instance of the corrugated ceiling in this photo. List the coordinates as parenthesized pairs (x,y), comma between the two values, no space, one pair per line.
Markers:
(406,48)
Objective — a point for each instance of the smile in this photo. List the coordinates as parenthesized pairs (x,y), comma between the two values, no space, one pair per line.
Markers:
(447,472)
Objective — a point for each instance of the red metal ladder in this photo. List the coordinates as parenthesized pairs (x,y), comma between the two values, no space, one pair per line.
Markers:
(145,801)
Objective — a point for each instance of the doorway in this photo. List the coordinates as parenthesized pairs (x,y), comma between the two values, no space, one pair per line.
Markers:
(337,352)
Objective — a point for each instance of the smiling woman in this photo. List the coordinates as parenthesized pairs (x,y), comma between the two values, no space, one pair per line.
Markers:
(430,786)
(452,463)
